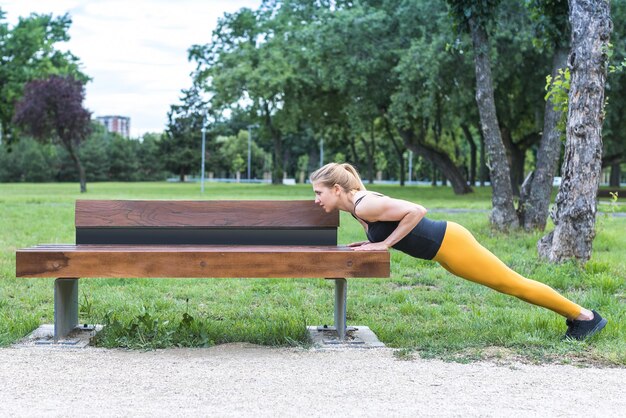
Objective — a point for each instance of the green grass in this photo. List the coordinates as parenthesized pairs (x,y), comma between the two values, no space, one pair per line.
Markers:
(421,308)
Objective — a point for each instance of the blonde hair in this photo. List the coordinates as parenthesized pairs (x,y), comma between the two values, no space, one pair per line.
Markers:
(345,175)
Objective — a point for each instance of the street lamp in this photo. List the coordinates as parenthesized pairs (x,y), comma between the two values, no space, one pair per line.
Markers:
(256,125)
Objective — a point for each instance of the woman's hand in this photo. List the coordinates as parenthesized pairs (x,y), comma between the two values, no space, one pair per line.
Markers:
(358,244)
(372,246)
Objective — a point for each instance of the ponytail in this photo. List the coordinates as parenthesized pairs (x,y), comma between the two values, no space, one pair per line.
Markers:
(350,169)
(345,175)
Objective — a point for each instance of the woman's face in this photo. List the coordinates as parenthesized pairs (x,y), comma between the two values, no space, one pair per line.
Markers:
(326,197)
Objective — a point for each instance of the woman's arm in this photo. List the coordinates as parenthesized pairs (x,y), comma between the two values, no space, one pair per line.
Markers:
(358,244)
(388,209)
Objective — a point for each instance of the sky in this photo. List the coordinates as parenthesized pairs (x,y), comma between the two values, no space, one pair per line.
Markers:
(135,51)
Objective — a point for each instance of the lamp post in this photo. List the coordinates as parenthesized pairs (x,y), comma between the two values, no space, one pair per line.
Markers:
(256,125)
(321,152)
(203,152)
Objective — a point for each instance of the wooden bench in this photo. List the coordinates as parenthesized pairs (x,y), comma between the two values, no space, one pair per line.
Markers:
(217,239)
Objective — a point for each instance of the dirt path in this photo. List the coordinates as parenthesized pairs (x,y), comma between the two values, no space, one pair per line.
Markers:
(245,380)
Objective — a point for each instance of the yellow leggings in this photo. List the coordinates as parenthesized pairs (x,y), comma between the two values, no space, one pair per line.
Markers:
(463,256)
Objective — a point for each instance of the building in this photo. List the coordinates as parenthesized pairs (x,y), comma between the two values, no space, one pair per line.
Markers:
(117,124)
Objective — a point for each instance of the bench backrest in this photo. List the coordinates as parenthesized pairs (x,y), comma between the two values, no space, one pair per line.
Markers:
(224,222)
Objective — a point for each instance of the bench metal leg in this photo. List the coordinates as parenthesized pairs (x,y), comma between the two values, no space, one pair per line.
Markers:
(341,293)
(65,307)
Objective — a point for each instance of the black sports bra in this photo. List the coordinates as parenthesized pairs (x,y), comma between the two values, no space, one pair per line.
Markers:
(422,242)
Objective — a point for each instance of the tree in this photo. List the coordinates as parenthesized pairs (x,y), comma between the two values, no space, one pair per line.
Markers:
(28,53)
(427,101)
(249,60)
(28,161)
(381,63)
(474,17)
(94,154)
(232,150)
(181,144)
(614,151)
(52,109)
(124,164)
(149,159)
(575,211)
(550,17)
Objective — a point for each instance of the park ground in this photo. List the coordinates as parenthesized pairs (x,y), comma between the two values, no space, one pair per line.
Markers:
(421,311)
(247,380)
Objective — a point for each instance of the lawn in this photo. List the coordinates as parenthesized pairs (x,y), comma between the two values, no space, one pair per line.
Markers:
(421,308)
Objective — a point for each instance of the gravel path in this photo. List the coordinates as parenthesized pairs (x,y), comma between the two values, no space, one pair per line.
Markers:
(246,380)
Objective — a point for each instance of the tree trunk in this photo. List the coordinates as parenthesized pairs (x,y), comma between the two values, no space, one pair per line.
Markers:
(277,168)
(534,203)
(484,175)
(516,153)
(472,144)
(438,159)
(370,151)
(576,204)
(503,215)
(616,175)
(71,148)
(352,143)
(277,155)
(399,150)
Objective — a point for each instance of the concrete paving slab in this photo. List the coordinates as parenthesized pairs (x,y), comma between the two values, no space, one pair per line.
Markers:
(43,336)
(358,336)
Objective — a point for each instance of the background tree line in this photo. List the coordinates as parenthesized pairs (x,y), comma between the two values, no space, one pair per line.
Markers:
(371,77)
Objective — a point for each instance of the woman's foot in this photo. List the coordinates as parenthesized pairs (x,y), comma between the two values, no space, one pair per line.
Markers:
(580,329)
(585,315)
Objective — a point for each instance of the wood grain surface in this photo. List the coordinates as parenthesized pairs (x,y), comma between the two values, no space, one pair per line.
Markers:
(69,261)
(207,214)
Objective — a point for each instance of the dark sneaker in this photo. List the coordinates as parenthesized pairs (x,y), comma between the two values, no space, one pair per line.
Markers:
(581,330)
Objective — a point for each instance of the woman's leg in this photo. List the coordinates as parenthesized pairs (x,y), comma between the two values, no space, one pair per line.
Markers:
(463,256)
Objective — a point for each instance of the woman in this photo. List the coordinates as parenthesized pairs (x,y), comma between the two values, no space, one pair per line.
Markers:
(401,224)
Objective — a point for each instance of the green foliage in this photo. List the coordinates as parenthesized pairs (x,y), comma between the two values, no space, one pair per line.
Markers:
(617,68)
(151,331)
(238,163)
(29,161)
(550,23)
(94,154)
(363,74)
(233,153)
(28,51)
(303,163)
(181,144)
(381,161)
(104,156)
(339,158)
(481,11)
(557,89)
(151,165)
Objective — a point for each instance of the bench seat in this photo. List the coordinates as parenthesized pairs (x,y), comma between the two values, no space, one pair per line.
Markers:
(206,261)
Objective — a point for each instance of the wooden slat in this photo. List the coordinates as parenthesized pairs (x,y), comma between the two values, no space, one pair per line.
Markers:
(200,261)
(206,236)
(207,214)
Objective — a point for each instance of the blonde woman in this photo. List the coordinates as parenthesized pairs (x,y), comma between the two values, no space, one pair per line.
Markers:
(402,225)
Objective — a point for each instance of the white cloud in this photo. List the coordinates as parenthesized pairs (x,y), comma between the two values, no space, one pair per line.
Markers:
(135,51)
